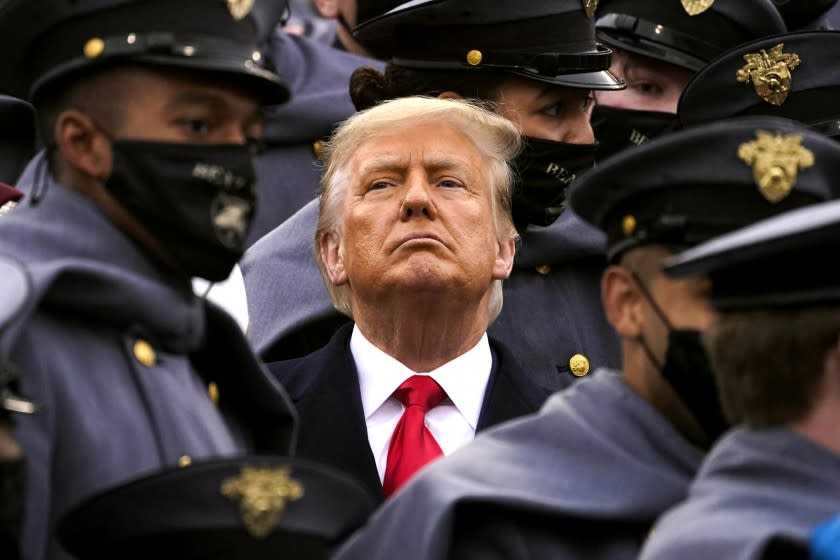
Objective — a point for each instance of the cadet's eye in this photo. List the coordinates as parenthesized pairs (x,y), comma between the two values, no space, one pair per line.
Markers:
(195,127)
(648,88)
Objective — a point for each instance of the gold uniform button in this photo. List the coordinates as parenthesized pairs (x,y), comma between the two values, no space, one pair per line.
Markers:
(213,392)
(94,47)
(544,269)
(579,365)
(144,353)
(185,461)
(628,225)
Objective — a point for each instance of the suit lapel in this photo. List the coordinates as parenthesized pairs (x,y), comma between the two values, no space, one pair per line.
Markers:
(510,392)
(333,428)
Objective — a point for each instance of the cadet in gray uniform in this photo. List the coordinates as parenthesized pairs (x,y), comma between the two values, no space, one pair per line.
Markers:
(658,46)
(509,54)
(288,171)
(590,473)
(776,350)
(147,110)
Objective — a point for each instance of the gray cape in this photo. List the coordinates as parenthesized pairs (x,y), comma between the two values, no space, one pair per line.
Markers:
(596,455)
(546,318)
(107,417)
(754,485)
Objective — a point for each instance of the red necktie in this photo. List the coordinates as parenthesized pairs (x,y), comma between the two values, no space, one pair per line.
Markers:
(412,444)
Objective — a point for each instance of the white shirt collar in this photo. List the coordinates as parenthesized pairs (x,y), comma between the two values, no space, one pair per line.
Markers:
(464,379)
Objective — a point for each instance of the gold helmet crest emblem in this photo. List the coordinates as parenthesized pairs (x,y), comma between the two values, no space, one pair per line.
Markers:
(589,6)
(239,9)
(776,160)
(696,7)
(769,73)
(262,494)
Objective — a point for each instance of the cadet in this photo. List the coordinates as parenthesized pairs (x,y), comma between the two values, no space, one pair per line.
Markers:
(658,46)
(793,75)
(318,75)
(775,347)
(148,110)
(552,319)
(589,474)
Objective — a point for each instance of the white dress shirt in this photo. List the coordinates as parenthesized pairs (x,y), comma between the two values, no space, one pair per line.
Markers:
(452,423)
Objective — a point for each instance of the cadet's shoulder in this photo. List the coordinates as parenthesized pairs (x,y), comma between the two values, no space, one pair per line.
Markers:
(17,290)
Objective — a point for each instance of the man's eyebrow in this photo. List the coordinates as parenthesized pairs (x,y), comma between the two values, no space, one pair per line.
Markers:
(187,98)
(383,162)
(437,163)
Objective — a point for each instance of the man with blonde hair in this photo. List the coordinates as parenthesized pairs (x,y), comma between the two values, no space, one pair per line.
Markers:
(414,238)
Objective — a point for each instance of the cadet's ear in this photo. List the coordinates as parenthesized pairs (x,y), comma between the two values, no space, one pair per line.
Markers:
(327,8)
(82,145)
(450,95)
(623,303)
(332,253)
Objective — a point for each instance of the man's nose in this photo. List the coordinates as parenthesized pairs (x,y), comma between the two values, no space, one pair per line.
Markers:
(418,201)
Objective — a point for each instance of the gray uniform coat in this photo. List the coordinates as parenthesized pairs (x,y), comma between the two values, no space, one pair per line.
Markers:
(755,485)
(586,477)
(288,171)
(114,410)
(552,304)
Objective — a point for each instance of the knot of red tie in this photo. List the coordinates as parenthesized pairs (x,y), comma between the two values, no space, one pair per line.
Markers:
(412,444)
(420,390)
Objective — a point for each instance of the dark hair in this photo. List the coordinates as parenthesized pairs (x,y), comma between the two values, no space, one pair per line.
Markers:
(369,87)
(769,365)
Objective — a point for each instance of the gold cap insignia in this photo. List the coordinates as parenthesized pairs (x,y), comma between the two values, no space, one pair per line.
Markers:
(589,6)
(240,8)
(474,57)
(776,160)
(695,7)
(770,73)
(262,494)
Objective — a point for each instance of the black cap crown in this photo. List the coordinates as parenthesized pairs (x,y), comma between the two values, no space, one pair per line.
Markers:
(46,40)
(687,187)
(247,508)
(794,75)
(552,42)
(687,33)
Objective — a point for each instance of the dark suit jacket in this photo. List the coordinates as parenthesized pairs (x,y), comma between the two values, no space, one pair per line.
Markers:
(324,386)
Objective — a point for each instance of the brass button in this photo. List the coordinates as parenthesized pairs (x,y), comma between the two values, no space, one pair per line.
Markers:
(544,269)
(185,461)
(628,225)
(474,57)
(579,365)
(94,47)
(144,353)
(213,392)
(318,149)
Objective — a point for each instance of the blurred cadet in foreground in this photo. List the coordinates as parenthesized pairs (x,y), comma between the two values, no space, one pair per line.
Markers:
(775,347)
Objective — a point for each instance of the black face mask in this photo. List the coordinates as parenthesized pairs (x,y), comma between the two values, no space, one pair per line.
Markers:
(544,170)
(688,371)
(619,129)
(197,200)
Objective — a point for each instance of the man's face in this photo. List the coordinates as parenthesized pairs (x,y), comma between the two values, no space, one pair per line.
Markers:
(165,107)
(547,111)
(651,85)
(418,217)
